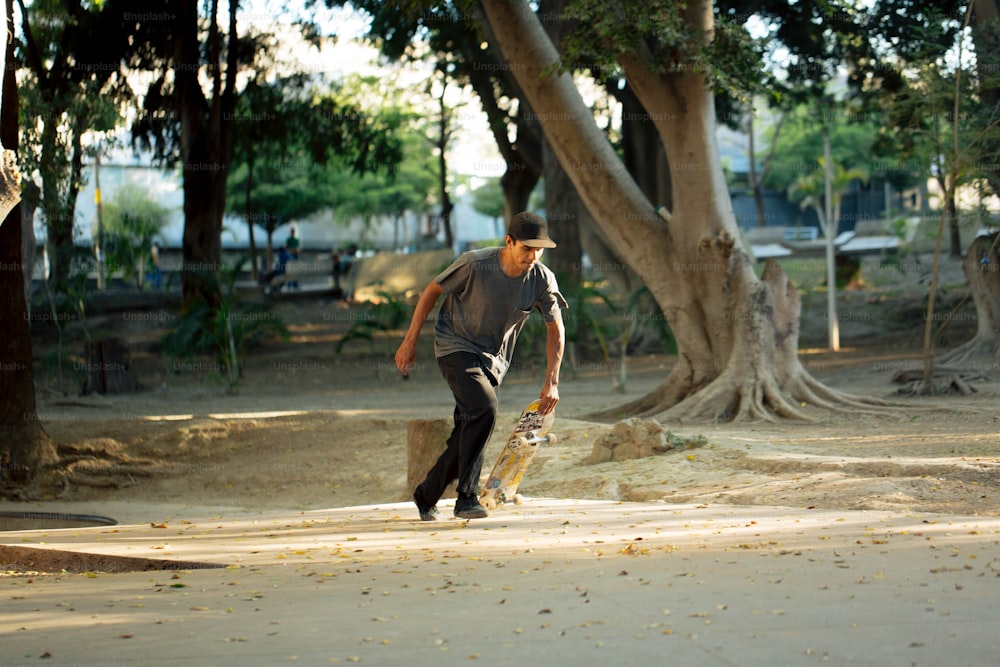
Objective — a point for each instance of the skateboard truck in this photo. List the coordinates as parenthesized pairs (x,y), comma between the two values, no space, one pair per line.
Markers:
(532,438)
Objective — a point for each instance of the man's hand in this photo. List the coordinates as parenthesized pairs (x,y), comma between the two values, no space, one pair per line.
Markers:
(406,357)
(555,340)
(549,397)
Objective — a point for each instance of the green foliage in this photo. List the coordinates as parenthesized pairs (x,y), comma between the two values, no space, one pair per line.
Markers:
(69,84)
(132,220)
(583,322)
(388,314)
(488,198)
(799,146)
(661,29)
(809,190)
(222,331)
(301,151)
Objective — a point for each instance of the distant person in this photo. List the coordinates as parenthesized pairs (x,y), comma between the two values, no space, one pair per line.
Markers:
(489,294)
(155,276)
(291,253)
(292,244)
(335,267)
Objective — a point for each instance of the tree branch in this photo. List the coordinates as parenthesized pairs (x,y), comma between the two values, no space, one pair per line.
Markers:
(34,56)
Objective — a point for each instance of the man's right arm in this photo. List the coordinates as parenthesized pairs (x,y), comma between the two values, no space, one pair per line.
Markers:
(406,355)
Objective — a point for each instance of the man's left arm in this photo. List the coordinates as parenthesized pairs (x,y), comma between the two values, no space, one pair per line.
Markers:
(555,342)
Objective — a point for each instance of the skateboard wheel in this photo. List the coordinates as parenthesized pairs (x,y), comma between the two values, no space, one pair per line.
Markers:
(488,503)
(552,438)
(522,441)
(518,499)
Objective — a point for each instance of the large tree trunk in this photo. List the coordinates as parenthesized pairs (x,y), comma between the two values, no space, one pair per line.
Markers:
(642,150)
(204,206)
(564,211)
(443,139)
(981,355)
(954,236)
(248,210)
(25,449)
(205,148)
(517,183)
(737,336)
(646,161)
(60,188)
(29,245)
(58,225)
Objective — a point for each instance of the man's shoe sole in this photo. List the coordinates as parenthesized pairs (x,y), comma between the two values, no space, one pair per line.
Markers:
(473,513)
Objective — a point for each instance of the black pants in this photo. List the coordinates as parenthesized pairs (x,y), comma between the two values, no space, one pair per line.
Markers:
(475,417)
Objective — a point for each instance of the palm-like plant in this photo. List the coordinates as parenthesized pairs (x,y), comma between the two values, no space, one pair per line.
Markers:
(810,190)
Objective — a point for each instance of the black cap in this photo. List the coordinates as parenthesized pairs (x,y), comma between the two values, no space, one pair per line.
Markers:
(530,229)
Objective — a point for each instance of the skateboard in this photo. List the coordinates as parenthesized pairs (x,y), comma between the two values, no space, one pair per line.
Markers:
(532,428)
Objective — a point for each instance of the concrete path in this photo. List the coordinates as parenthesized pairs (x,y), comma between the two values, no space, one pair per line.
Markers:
(550,582)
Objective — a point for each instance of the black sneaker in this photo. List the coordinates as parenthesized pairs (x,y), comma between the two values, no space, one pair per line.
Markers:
(426,513)
(467,507)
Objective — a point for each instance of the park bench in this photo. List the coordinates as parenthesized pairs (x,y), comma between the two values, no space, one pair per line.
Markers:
(311,271)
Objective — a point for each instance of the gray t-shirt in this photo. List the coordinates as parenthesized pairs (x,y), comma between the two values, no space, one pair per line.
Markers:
(484,309)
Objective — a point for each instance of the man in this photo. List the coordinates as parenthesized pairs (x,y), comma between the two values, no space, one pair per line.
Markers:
(489,294)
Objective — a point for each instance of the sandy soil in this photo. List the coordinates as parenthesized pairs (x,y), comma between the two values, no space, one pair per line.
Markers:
(309,428)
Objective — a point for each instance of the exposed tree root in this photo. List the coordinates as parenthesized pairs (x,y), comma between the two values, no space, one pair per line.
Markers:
(100,464)
(980,357)
(942,383)
(675,388)
(806,389)
(732,398)
(953,373)
(761,378)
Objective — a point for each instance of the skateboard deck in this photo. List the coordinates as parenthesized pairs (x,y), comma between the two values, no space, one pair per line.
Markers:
(532,428)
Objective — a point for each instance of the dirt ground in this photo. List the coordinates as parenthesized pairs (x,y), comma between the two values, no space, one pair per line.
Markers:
(309,428)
